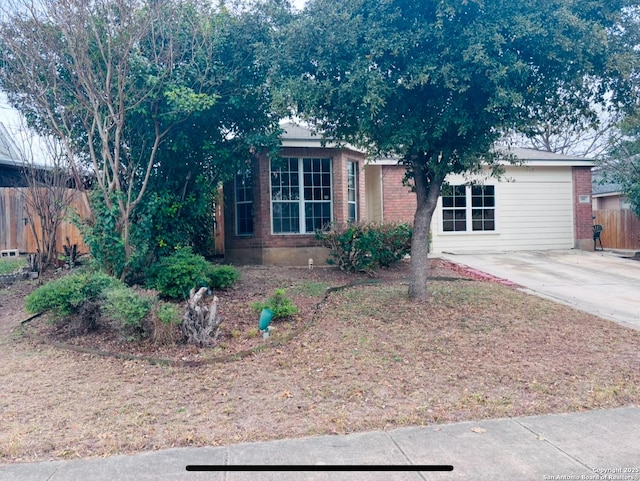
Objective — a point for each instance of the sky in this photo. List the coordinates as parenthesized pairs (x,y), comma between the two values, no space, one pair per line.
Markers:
(299,4)
(25,143)
(8,116)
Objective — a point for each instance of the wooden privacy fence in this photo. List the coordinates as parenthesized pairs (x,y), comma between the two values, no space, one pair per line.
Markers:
(620,228)
(15,232)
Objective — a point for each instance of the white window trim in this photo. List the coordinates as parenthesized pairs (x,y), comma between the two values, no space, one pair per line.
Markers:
(301,201)
(468,208)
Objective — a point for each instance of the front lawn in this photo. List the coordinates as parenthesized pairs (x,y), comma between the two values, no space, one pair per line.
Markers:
(365,358)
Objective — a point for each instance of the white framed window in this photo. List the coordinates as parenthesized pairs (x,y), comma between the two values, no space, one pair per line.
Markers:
(352,191)
(244,203)
(469,208)
(301,194)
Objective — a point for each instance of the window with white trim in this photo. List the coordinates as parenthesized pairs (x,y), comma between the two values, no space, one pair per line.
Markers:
(244,203)
(291,212)
(469,208)
(352,191)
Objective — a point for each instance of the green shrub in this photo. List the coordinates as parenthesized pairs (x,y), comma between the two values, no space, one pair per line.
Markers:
(365,247)
(65,296)
(279,303)
(222,277)
(165,324)
(176,275)
(395,243)
(129,308)
(100,234)
(12,264)
(168,313)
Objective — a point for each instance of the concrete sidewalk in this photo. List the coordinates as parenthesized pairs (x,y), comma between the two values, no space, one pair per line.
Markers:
(601,283)
(602,444)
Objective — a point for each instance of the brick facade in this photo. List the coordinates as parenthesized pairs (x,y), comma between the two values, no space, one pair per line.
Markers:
(582,208)
(389,200)
(398,202)
(264,247)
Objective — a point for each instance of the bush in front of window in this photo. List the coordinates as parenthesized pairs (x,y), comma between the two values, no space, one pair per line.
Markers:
(222,277)
(365,247)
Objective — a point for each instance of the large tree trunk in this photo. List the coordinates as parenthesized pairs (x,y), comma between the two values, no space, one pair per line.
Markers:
(427,198)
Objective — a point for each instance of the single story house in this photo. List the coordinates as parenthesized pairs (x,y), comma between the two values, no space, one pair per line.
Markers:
(273,208)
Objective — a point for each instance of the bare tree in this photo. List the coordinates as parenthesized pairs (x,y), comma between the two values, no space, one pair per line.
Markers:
(584,127)
(47,191)
(80,68)
(570,138)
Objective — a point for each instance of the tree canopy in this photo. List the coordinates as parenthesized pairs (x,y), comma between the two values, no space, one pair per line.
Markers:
(437,83)
(147,94)
(621,164)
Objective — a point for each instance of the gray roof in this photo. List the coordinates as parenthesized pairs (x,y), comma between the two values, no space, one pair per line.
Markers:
(533,154)
(601,187)
(8,153)
(295,132)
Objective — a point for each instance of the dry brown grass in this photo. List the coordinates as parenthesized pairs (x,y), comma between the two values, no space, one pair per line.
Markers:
(371,359)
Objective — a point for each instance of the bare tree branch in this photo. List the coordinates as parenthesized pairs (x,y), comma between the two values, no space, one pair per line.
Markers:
(80,68)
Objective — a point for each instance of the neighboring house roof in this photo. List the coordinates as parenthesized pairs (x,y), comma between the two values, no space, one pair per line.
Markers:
(10,164)
(602,188)
(8,152)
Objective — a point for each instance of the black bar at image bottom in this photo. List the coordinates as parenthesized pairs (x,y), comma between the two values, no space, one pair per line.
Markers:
(321,467)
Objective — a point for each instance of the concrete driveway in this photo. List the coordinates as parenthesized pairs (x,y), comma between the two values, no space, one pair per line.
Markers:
(602,283)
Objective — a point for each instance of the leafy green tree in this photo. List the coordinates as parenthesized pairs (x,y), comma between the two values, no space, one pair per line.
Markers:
(205,150)
(147,94)
(621,164)
(81,69)
(437,83)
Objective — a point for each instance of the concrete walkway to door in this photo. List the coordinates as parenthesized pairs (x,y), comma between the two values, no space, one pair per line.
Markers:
(602,283)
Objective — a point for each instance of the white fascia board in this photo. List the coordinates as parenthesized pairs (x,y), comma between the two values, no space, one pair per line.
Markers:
(383,162)
(317,144)
(551,163)
(607,194)
(528,163)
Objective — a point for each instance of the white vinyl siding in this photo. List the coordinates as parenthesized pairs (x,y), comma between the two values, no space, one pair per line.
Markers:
(534,210)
